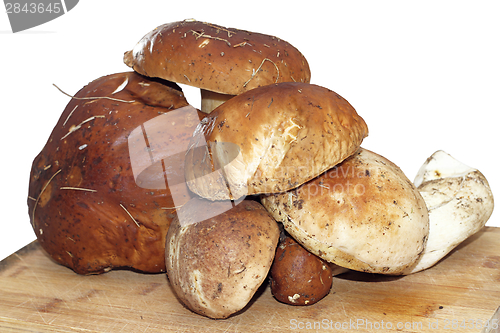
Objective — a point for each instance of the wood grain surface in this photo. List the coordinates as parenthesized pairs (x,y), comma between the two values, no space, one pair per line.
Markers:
(459,294)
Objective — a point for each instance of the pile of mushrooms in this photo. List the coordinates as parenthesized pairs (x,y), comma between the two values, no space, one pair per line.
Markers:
(267,180)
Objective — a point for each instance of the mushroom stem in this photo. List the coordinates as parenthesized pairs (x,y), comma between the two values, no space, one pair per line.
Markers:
(210,100)
(459,200)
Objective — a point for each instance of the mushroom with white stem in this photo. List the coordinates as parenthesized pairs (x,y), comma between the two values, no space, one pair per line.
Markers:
(222,62)
(459,200)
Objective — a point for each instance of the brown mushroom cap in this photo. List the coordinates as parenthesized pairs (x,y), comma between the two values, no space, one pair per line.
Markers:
(216,265)
(280,136)
(86,208)
(364,214)
(299,277)
(216,59)
(224,60)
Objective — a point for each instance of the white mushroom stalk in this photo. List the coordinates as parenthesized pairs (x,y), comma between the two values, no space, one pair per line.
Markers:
(211,100)
(459,201)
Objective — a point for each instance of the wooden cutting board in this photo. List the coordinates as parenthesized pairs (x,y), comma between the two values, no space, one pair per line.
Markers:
(458,295)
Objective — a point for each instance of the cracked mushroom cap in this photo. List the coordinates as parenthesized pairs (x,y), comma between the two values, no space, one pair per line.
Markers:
(217,59)
(85,206)
(271,139)
(216,265)
(364,215)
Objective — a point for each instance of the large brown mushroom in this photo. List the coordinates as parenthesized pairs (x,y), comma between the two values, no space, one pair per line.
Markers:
(217,258)
(222,62)
(86,208)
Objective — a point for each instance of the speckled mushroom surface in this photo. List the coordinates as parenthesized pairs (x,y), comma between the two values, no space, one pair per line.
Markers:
(86,209)
(364,215)
(282,135)
(216,265)
(215,58)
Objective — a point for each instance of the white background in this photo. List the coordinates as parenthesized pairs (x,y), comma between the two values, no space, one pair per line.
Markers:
(425,75)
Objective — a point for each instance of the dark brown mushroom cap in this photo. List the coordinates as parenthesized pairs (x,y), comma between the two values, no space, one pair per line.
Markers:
(299,277)
(211,57)
(86,209)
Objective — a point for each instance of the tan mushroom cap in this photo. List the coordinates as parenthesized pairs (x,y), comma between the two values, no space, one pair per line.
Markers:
(213,58)
(284,135)
(215,266)
(364,214)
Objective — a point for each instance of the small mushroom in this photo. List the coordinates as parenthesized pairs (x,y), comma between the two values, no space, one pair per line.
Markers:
(363,214)
(216,264)
(222,62)
(459,200)
(299,277)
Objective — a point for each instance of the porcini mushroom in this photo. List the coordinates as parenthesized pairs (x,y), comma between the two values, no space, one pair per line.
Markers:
(222,62)
(299,277)
(459,200)
(271,139)
(85,206)
(216,264)
(363,214)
